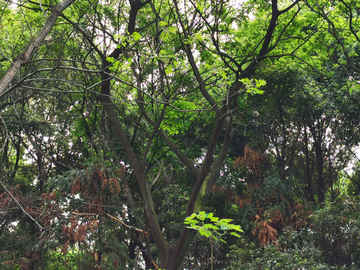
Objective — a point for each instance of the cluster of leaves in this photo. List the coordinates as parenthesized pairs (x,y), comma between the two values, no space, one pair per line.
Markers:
(328,242)
(215,229)
(160,92)
(251,162)
(249,257)
(336,232)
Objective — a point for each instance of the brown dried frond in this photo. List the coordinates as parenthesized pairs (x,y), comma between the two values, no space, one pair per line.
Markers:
(121,172)
(71,229)
(65,247)
(218,189)
(91,227)
(96,257)
(298,207)
(4,199)
(294,218)
(65,229)
(214,189)
(265,232)
(75,186)
(228,194)
(76,236)
(299,220)
(239,201)
(96,201)
(95,223)
(104,184)
(261,211)
(278,217)
(29,210)
(248,200)
(99,174)
(251,161)
(24,263)
(277,220)
(52,196)
(115,264)
(10,262)
(115,186)
(82,233)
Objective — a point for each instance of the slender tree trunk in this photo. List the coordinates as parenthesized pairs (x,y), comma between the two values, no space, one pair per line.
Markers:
(320,168)
(317,137)
(212,254)
(33,45)
(309,187)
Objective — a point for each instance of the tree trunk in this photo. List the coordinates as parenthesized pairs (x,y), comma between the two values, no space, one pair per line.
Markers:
(32,46)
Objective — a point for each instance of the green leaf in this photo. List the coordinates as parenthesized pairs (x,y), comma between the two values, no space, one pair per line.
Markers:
(214,219)
(201,215)
(223,227)
(210,226)
(190,217)
(111,59)
(235,234)
(204,232)
(172,29)
(225,220)
(209,215)
(136,36)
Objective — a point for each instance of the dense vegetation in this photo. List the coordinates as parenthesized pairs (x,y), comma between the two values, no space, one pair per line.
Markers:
(144,134)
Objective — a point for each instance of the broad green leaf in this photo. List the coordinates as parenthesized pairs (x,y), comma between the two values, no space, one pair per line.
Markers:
(235,234)
(214,219)
(136,36)
(210,226)
(223,227)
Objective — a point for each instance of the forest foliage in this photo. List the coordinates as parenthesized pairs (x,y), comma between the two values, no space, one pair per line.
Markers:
(146,134)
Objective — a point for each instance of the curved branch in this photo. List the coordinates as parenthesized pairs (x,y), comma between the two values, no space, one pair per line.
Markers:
(191,59)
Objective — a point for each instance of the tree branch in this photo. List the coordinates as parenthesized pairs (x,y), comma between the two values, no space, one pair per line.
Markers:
(36,42)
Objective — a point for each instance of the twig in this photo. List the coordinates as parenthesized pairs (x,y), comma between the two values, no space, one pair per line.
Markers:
(12,196)
(114,218)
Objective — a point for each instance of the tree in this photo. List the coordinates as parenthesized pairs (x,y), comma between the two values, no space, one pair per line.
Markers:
(24,57)
(155,90)
(304,127)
